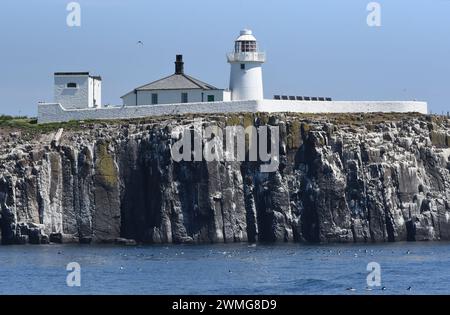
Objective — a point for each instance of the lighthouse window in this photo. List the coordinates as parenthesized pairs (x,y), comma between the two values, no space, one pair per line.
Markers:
(72,85)
(242,66)
(245,46)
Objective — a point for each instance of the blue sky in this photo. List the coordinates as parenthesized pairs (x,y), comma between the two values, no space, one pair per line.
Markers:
(315,47)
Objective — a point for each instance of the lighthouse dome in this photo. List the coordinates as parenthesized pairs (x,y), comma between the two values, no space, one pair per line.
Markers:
(246,35)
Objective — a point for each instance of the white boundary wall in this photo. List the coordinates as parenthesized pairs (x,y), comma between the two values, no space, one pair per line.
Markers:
(51,112)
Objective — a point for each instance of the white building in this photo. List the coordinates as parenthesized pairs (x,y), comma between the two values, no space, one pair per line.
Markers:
(77,90)
(78,94)
(176,88)
(246,61)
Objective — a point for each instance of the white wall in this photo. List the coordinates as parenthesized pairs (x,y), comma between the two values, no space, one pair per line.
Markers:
(226,96)
(80,97)
(48,113)
(95,92)
(91,93)
(247,84)
(274,106)
(72,98)
(173,96)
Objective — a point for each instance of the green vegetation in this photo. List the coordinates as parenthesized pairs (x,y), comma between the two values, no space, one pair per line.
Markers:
(294,137)
(30,124)
(106,170)
(233,120)
(16,122)
(440,139)
(369,120)
(242,119)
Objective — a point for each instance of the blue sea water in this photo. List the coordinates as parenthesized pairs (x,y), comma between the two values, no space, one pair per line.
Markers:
(226,269)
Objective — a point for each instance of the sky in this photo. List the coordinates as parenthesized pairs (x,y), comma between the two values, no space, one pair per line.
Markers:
(314,47)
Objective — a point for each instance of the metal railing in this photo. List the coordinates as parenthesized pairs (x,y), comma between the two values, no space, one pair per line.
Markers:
(246,56)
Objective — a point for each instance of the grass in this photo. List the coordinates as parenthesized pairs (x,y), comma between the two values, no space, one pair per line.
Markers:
(31,126)
(19,121)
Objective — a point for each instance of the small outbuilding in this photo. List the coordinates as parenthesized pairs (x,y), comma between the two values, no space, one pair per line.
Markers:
(78,90)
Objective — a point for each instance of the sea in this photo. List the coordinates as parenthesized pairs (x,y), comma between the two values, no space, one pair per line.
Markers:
(227,269)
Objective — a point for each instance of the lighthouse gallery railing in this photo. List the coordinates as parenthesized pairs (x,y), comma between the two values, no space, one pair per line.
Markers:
(246,56)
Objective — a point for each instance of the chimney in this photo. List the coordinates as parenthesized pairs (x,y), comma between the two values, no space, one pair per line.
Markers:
(179,65)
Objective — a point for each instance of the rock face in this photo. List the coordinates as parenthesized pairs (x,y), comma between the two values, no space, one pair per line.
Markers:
(341,178)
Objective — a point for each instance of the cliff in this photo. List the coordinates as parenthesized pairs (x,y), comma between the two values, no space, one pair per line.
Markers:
(341,178)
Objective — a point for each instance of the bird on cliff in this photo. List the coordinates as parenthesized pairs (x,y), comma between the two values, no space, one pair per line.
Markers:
(409,288)
(383,288)
(351,289)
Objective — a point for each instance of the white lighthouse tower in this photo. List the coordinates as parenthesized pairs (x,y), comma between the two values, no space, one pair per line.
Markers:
(246,68)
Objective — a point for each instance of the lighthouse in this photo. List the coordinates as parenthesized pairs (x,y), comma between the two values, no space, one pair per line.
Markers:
(246,61)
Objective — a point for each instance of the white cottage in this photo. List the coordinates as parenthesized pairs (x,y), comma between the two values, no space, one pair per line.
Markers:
(176,88)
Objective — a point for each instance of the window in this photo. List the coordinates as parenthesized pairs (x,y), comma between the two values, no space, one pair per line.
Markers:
(184,97)
(242,66)
(72,85)
(245,46)
(154,98)
(210,98)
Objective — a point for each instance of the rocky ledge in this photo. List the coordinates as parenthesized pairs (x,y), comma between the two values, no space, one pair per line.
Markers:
(341,178)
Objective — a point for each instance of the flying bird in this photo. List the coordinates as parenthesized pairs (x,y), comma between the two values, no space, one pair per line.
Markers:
(140,43)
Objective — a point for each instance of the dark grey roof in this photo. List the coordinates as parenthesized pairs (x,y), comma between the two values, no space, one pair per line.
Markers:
(177,82)
(71,73)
